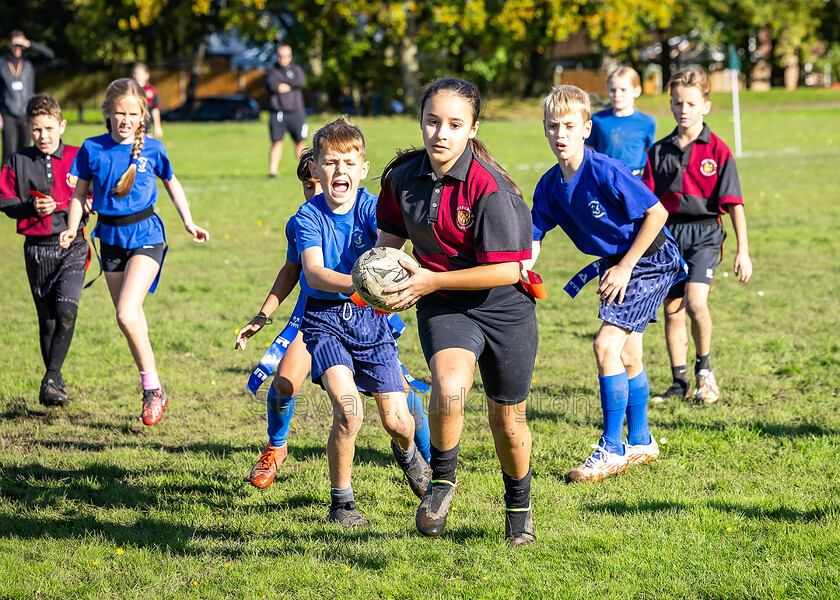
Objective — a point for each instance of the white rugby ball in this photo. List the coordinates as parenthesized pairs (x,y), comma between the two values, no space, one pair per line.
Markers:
(376,270)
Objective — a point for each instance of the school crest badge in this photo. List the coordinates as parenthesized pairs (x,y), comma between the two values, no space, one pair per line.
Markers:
(71,180)
(597,209)
(708,167)
(358,238)
(142,164)
(464,218)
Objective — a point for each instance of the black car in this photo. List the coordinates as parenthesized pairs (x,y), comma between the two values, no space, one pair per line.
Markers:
(234,107)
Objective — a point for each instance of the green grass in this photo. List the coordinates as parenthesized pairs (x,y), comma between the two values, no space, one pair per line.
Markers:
(743,504)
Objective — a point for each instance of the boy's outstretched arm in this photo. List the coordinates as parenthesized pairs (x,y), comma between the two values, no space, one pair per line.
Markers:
(614,281)
(284,283)
(743,263)
(320,277)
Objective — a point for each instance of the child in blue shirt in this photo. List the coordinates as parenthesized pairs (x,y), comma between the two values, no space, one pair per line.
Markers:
(608,213)
(295,361)
(122,166)
(352,348)
(621,131)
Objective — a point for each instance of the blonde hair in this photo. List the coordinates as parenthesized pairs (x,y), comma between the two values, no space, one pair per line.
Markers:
(118,90)
(566,99)
(338,136)
(692,76)
(628,72)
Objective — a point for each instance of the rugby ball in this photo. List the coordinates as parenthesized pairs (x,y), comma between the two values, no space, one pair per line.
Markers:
(376,270)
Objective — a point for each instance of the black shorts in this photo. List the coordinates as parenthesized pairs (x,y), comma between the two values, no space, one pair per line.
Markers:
(700,246)
(294,122)
(55,274)
(114,258)
(503,337)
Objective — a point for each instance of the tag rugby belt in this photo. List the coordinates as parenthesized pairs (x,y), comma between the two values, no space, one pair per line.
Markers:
(277,350)
(593,269)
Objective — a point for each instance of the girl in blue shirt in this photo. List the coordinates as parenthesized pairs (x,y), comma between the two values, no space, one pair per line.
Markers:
(121,165)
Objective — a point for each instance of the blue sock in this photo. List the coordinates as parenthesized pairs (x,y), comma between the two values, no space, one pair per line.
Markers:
(613,405)
(638,393)
(279,411)
(422,435)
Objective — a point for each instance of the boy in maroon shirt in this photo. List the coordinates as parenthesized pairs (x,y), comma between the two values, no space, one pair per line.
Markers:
(35,189)
(693,174)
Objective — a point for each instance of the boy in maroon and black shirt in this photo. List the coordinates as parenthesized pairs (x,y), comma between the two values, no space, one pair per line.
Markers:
(35,189)
(693,174)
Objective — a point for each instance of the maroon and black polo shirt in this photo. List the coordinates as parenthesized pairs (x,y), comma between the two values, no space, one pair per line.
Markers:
(31,169)
(694,183)
(468,217)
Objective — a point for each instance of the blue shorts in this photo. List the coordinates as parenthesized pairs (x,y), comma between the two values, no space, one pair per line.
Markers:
(341,333)
(650,281)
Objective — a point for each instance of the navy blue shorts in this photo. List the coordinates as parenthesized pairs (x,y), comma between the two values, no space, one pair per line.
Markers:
(650,281)
(115,258)
(341,333)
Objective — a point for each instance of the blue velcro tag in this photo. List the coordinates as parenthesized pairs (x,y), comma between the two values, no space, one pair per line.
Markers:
(275,352)
(397,325)
(417,385)
(584,276)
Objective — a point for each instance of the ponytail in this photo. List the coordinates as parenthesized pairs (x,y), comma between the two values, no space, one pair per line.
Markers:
(481,151)
(127,180)
(401,157)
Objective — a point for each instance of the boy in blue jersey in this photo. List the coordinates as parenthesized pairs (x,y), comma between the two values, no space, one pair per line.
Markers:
(294,364)
(608,213)
(352,348)
(621,131)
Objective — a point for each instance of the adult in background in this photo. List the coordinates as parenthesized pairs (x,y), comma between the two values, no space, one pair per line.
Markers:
(17,84)
(285,82)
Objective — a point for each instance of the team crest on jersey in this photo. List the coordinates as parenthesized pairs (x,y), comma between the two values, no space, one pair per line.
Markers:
(596,208)
(142,163)
(358,238)
(71,180)
(464,218)
(708,167)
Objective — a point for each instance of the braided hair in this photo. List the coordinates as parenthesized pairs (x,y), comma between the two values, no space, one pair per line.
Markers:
(116,91)
(467,91)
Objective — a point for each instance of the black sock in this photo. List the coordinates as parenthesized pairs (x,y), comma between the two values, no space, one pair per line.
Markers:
(517,491)
(701,363)
(65,324)
(444,463)
(680,374)
(342,498)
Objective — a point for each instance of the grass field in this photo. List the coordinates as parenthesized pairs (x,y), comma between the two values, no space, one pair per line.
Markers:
(744,503)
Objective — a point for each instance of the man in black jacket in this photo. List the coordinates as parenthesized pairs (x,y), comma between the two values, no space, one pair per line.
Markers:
(285,82)
(17,84)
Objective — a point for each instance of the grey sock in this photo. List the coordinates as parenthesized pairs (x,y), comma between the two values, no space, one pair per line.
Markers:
(339,498)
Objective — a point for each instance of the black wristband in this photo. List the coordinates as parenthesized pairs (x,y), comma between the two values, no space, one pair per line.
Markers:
(268,320)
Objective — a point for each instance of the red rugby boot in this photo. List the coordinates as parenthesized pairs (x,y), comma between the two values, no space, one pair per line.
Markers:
(154,403)
(262,475)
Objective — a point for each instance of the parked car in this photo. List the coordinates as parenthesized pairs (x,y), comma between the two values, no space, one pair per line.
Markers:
(234,107)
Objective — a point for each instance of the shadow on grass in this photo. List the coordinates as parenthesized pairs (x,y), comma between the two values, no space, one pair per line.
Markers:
(103,486)
(146,532)
(803,429)
(214,449)
(751,512)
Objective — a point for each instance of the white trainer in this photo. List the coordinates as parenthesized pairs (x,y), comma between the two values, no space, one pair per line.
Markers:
(601,464)
(642,454)
(707,391)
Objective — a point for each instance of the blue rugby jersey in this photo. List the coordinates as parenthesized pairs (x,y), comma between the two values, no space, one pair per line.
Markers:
(627,139)
(102,161)
(342,238)
(601,209)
